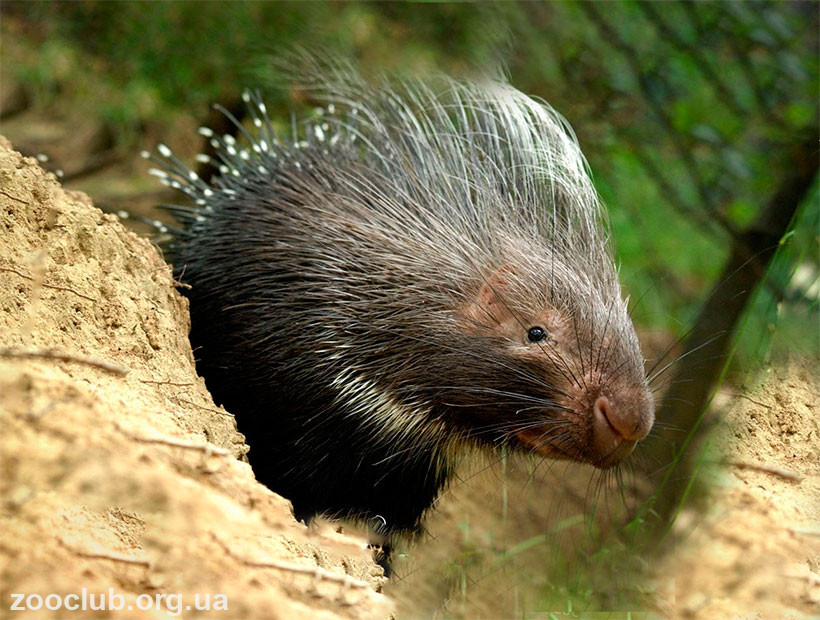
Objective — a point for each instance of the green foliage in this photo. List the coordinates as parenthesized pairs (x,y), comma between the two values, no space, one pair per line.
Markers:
(783,316)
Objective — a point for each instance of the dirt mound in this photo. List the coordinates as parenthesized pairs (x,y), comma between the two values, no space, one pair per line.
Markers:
(118,470)
(756,552)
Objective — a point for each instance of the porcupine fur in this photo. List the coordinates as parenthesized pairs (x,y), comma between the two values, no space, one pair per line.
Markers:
(354,288)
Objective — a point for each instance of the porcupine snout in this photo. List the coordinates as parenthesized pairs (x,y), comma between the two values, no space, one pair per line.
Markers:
(618,423)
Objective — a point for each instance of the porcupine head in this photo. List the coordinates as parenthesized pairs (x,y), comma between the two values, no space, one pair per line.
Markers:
(422,266)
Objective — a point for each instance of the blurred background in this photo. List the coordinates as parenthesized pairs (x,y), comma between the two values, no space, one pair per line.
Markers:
(700,124)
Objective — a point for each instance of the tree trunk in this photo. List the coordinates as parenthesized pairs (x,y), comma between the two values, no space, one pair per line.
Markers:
(694,380)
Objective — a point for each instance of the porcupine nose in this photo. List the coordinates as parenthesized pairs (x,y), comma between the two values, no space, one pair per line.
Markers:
(616,430)
(623,421)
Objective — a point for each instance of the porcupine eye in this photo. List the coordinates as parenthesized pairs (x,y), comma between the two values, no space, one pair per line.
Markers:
(536,334)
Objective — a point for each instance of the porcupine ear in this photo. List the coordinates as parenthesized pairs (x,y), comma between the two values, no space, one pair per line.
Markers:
(488,308)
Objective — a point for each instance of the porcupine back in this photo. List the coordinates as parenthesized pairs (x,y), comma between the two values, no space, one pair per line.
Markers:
(330,273)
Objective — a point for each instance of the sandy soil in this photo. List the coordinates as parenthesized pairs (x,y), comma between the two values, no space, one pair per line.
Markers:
(756,552)
(118,470)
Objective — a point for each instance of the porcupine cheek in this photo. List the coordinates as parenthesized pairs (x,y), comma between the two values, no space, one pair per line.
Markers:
(560,444)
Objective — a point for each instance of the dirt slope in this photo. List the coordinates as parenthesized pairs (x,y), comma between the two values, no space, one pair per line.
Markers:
(756,552)
(117,468)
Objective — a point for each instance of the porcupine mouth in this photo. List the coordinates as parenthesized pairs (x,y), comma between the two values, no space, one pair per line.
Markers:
(616,424)
(602,457)
(617,455)
(537,441)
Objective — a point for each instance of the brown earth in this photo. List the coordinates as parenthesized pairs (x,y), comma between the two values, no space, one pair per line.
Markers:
(118,470)
(755,553)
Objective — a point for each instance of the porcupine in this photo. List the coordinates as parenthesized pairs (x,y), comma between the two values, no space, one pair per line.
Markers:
(422,267)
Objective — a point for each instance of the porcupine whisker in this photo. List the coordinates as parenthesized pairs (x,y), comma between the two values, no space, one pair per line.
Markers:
(601,341)
(663,425)
(556,442)
(562,363)
(669,349)
(620,485)
(510,437)
(553,441)
(477,472)
(522,424)
(657,374)
(689,331)
(659,388)
(547,437)
(550,436)
(516,411)
(614,374)
(695,362)
(649,465)
(549,408)
(617,340)
(592,494)
(633,307)
(517,371)
(617,372)
(489,403)
(515,397)
(612,487)
(580,354)
(543,462)
(602,491)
